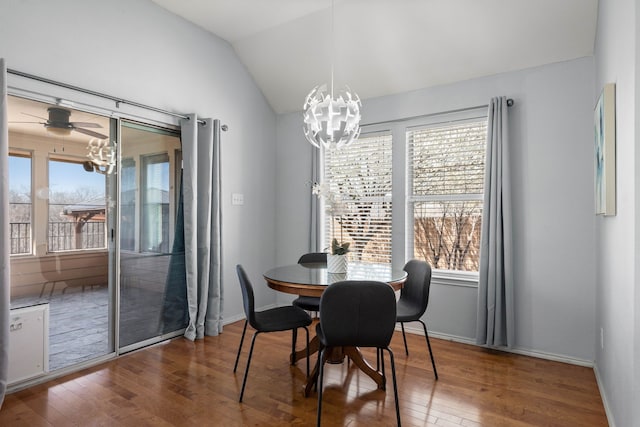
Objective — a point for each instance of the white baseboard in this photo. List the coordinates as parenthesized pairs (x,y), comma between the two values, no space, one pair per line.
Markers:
(603,396)
(413,328)
(233,319)
(525,352)
(241,316)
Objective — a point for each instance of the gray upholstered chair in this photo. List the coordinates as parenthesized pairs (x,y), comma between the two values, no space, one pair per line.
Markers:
(357,314)
(414,299)
(304,302)
(313,258)
(271,320)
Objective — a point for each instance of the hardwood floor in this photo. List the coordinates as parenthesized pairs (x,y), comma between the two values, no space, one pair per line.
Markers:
(183,383)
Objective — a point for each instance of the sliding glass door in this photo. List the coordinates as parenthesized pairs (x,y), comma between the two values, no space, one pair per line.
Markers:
(96,235)
(62,212)
(97,243)
(152,295)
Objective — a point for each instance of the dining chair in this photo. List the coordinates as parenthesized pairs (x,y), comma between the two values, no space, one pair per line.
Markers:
(304,302)
(357,314)
(414,299)
(270,320)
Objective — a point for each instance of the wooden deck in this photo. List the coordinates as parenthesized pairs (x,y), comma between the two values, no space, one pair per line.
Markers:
(75,287)
(180,383)
(79,321)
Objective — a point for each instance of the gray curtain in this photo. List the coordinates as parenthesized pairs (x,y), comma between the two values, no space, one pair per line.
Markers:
(495,325)
(201,198)
(4,234)
(175,313)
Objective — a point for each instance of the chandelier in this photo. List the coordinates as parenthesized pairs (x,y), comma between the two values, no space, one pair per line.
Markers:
(102,155)
(331,121)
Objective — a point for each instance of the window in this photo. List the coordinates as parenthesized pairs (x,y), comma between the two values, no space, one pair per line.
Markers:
(155,203)
(128,217)
(77,207)
(20,207)
(445,165)
(360,177)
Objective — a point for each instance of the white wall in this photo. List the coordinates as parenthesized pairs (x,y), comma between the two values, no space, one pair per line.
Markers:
(135,50)
(636,308)
(551,136)
(617,253)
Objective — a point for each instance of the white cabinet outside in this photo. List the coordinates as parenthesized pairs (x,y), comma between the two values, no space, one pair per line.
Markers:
(28,342)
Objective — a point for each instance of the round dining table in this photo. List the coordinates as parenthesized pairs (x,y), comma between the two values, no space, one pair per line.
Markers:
(312,279)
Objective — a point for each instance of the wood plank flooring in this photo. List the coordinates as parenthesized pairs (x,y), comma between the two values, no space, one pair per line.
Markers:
(181,383)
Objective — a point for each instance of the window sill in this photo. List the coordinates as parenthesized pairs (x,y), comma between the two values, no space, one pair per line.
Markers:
(66,254)
(455,278)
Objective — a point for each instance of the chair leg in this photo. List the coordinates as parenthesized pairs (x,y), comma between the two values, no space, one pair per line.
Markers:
(317,369)
(307,331)
(294,339)
(240,347)
(384,376)
(246,372)
(433,362)
(404,338)
(395,384)
(320,377)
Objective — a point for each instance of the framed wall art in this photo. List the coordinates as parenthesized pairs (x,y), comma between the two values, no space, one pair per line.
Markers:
(605,151)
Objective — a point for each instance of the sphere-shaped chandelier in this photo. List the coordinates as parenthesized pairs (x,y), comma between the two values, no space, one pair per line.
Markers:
(102,154)
(333,122)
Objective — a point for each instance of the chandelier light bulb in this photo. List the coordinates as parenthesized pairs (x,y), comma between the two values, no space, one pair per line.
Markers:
(333,122)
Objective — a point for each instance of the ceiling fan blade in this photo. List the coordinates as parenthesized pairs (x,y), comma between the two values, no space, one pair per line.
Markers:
(37,117)
(85,125)
(90,133)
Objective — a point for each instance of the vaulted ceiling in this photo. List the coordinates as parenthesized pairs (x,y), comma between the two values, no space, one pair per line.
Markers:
(383,47)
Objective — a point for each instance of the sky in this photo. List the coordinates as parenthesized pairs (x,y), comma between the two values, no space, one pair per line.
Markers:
(63,176)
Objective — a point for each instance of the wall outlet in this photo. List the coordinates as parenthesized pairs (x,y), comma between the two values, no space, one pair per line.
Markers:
(602,338)
(237,199)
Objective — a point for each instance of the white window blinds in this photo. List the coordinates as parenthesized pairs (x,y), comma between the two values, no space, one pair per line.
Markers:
(359,176)
(445,178)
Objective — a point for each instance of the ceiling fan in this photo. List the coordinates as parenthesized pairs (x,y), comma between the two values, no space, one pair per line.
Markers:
(58,123)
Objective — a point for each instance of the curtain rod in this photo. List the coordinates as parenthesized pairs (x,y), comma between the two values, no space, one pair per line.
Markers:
(510,103)
(118,101)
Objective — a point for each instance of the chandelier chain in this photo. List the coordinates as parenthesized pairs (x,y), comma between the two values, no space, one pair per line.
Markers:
(331,120)
(333,43)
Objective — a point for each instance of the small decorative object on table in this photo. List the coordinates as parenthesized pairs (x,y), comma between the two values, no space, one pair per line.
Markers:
(337,259)
(335,208)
